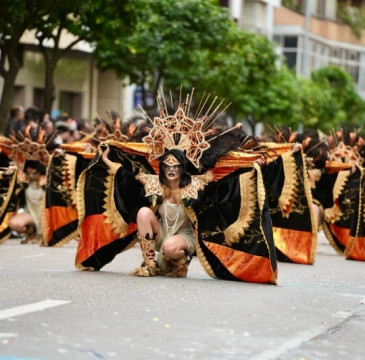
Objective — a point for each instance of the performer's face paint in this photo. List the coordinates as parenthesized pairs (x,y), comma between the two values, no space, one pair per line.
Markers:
(172,172)
(33,174)
(172,168)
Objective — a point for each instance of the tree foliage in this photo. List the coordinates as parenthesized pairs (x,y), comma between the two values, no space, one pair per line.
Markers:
(345,104)
(16,17)
(179,42)
(67,17)
(244,71)
(160,39)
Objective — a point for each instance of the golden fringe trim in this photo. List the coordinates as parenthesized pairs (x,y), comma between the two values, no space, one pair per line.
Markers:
(308,195)
(73,236)
(80,204)
(261,196)
(333,214)
(6,237)
(350,246)
(113,217)
(9,192)
(261,191)
(362,186)
(113,167)
(235,231)
(44,225)
(83,268)
(288,194)
(330,238)
(203,260)
(70,162)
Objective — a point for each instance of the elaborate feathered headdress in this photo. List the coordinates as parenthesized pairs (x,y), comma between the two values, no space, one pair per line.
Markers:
(345,146)
(32,145)
(181,130)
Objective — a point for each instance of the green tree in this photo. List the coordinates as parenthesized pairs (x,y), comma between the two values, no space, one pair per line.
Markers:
(244,72)
(346,104)
(67,17)
(317,108)
(17,16)
(160,40)
(279,103)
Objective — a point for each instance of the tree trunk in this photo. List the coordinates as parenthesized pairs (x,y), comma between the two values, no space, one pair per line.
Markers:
(252,123)
(8,94)
(49,87)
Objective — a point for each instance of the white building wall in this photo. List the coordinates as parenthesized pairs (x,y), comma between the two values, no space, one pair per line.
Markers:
(255,15)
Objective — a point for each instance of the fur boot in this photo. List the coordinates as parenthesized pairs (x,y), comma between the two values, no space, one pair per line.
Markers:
(148,267)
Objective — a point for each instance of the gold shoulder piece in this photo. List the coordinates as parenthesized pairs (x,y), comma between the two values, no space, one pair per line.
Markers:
(151,184)
(198,182)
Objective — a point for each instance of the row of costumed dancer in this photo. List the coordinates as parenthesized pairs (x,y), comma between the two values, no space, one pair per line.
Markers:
(182,188)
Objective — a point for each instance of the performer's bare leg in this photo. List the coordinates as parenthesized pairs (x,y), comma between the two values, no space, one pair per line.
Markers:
(318,213)
(23,224)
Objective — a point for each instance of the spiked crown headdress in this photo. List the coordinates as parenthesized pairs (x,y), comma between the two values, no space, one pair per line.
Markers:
(181,130)
(32,145)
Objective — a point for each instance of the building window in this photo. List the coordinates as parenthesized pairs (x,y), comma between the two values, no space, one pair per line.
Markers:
(291,50)
(70,103)
(291,59)
(321,8)
(19,95)
(38,98)
(290,42)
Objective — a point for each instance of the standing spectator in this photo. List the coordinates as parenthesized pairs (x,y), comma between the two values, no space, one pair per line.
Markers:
(16,120)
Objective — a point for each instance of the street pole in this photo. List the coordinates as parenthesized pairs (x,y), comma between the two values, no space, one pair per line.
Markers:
(305,67)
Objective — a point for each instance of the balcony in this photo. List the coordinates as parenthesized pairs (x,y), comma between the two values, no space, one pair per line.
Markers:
(327,29)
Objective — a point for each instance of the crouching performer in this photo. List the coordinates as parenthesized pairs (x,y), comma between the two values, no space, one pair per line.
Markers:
(180,192)
(168,231)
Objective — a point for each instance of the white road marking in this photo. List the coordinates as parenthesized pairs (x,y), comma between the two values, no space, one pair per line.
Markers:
(32,256)
(349,294)
(7,335)
(290,344)
(25,309)
(303,337)
(55,270)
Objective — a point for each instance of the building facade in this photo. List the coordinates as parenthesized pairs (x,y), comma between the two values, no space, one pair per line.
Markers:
(314,37)
(309,34)
(82,90)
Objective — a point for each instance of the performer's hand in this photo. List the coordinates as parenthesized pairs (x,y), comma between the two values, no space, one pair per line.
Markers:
(261,161)
(88,147)
(10,170)
(60,152)
(296,147)
(105,154)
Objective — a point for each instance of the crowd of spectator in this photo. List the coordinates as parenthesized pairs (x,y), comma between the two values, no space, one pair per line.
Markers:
(68,129)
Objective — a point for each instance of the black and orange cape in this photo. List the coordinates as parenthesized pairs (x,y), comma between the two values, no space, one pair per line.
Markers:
(290,201)
(230,214)
(342,195)
(59,213)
